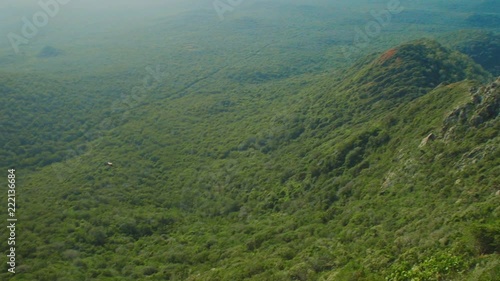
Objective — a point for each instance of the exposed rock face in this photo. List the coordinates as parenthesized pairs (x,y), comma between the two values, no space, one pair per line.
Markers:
(489,106)
(483,107)
(427,139)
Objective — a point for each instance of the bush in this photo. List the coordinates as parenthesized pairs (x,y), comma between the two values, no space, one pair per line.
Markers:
(97,236)
(436,267)
(487,237)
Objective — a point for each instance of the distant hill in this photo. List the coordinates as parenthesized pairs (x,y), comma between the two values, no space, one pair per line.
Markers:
(49,51)
(482,47)
(410,70)
(486,6)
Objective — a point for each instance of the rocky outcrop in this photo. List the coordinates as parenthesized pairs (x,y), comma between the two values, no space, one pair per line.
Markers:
(488,102)
(427,139)
(483,107)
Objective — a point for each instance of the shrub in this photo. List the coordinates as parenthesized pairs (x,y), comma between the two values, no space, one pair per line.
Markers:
(436,267)
(487,237)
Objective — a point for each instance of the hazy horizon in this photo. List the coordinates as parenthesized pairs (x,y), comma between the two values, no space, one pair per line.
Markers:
(105,24)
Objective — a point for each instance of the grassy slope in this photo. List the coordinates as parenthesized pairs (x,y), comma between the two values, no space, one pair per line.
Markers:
(326,181)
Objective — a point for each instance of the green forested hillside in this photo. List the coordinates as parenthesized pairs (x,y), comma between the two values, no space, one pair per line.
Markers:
(387,170)
(46,118)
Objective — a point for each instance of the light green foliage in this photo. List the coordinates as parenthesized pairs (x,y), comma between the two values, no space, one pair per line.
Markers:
(439,267)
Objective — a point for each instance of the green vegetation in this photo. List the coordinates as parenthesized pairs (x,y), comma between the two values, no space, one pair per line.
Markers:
(433,268)
(260,165)
(482,47)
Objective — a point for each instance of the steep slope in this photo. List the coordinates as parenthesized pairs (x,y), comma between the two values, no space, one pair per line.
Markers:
(380,82)
(366,177)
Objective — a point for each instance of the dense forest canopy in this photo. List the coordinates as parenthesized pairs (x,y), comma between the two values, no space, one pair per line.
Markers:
(250,140)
